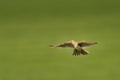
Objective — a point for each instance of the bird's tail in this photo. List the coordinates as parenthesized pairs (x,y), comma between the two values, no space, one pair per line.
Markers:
(77,52)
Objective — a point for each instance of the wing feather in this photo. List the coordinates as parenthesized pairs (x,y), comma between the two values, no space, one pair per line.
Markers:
(67,44)
(86,44)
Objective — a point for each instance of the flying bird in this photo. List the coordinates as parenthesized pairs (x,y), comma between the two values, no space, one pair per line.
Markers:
(78,46)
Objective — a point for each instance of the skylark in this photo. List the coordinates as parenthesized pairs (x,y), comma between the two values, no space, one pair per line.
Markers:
(78,46)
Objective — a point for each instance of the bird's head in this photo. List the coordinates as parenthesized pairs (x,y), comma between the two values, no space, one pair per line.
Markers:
(74,43)
(72,40)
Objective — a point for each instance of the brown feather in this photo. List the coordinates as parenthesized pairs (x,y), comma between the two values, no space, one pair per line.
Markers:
(86,44)
(63,45)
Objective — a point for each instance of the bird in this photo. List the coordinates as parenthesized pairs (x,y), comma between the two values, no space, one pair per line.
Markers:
(77,46)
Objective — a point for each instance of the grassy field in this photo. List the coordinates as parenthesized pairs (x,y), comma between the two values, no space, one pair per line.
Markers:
(28,27)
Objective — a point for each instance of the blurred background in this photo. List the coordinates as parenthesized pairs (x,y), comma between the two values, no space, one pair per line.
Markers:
(27,27)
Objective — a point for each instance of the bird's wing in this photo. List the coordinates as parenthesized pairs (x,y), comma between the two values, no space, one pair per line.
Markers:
(67,44)
(86,44)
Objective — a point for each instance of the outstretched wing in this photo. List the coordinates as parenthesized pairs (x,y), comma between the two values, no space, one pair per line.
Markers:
(67,44)
(86,44)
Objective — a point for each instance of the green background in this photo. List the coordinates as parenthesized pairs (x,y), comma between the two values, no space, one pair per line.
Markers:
(27,27)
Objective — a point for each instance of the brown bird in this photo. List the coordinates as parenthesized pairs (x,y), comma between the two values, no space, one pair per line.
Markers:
(78,46)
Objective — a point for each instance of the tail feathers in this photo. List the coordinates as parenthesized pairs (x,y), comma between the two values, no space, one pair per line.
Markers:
(84,52)
(77,52)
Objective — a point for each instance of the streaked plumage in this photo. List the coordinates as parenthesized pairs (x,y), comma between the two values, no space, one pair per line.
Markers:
(78,46)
